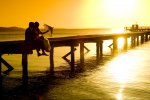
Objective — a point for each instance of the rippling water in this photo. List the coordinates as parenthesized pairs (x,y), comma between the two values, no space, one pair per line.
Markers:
(122,77)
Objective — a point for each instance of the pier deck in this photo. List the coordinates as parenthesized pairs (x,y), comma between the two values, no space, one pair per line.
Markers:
(19,47)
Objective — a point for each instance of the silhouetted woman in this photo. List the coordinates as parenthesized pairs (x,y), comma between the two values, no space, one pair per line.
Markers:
(39,39)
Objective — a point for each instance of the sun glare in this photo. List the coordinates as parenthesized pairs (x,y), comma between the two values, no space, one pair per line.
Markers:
(119,7)
(118,30)
(120,42)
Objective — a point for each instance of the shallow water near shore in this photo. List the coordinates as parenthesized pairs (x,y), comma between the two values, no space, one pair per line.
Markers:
(122,77)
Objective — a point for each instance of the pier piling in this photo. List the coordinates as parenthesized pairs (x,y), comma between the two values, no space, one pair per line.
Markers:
(82,55)
(125,43)
(25,68)
(72,59)
(0,74)
(52,61)
(115,45)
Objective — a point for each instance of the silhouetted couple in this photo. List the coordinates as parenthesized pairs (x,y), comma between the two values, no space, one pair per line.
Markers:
(34,38)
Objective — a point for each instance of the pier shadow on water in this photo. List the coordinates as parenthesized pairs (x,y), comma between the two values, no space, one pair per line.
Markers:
(41,83)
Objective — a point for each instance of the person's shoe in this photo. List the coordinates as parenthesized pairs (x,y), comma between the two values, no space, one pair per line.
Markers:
(45,54)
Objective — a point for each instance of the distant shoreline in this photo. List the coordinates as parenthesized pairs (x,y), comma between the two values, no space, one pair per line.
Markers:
(3,29)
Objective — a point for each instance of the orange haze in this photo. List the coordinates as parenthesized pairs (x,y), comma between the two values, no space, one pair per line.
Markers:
(75,13)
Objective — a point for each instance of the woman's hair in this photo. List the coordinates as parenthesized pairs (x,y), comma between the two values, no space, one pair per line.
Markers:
(36,24)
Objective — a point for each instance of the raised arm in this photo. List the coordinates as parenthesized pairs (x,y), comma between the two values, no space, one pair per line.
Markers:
(50,28)
(44,32)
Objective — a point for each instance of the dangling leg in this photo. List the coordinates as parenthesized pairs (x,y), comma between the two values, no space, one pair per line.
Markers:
(43,49)
(37,46)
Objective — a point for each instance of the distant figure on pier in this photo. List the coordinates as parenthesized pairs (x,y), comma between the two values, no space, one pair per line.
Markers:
(33,38)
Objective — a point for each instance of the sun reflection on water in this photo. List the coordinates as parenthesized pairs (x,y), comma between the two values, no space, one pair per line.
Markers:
(121,68)
(119,95)
(122,71)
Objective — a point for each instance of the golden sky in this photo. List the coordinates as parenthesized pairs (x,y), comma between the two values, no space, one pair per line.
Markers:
(75,13)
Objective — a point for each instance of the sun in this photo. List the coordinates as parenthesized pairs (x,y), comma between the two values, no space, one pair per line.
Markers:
(119,7)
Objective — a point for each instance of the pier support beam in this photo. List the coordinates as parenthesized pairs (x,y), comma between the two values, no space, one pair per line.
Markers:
(99,50)
(137,41)
(132,41)
(125,43)
(142,38)
(25,68)
(52,61)
(66,55)
(82,55)
(146,37)
(72,58)
(115,45)
(86,48)
(0,73)
(7,65)
(0,64)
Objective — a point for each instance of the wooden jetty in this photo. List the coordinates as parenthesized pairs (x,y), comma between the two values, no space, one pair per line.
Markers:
(137,28)
(19,47)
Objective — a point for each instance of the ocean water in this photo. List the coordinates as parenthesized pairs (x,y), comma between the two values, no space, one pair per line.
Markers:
(122,77)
